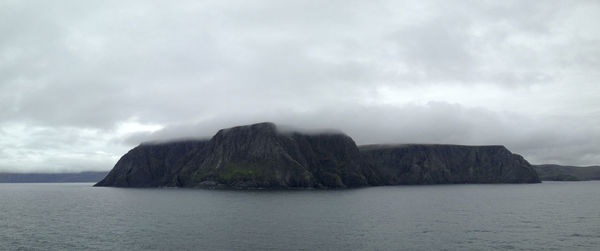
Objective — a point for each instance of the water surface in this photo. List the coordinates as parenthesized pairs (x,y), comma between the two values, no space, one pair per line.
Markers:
(551,215)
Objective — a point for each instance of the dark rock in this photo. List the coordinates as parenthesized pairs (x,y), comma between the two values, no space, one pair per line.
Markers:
(153,165)
(442,164)
(260,156)
(254,156)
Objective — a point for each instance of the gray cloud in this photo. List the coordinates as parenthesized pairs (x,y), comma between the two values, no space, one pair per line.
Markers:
(93,79)
(541,139)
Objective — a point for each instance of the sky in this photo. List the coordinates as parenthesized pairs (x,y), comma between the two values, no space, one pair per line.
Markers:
(82,82)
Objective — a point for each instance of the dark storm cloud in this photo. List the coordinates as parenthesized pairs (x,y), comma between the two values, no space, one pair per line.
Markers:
(81,82)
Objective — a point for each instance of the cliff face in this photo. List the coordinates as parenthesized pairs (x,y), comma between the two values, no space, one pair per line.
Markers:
(153,165)
(260,156)
(255,156)
(441,164)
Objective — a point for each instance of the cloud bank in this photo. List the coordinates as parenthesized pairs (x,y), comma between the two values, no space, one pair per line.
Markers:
(82,82)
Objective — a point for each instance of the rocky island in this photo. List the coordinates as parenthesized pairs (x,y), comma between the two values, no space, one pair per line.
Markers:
(262,156)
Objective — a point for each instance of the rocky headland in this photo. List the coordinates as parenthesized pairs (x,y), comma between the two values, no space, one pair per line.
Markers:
(261,156)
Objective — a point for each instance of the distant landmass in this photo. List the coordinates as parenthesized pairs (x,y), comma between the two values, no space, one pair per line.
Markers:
(261,156)
(51,177)
(567,173)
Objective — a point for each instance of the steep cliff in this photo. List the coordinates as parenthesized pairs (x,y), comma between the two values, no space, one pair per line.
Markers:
(441,164)
(153,165)
(255,156)
(261,156)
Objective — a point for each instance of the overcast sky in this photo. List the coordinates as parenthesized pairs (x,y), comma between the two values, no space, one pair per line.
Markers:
(82,82)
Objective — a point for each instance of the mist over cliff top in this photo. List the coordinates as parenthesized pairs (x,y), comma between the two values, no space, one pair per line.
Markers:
(81,83)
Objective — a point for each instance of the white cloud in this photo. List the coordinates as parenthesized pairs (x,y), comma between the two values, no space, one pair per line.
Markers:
(34,148)
(99,77)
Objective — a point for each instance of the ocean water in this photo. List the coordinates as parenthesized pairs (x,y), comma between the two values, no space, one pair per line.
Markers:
(77,216)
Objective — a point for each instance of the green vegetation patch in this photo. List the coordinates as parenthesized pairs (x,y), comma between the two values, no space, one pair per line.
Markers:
(235,172)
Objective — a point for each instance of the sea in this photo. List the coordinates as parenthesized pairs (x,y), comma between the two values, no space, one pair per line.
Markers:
(78,216)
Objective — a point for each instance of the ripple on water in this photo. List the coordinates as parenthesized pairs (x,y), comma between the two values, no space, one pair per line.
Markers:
(548,216)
